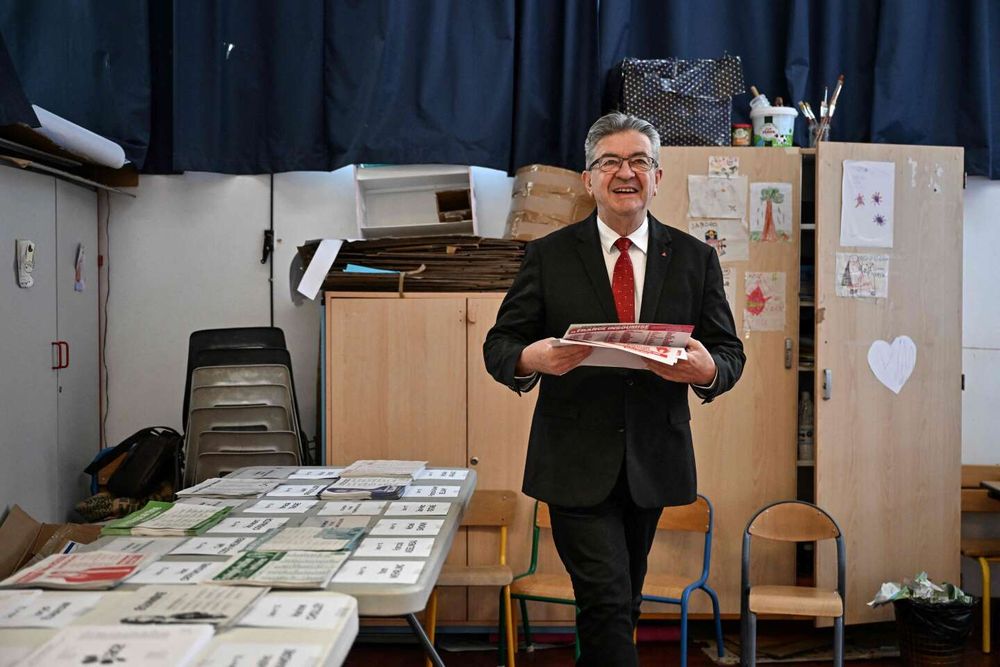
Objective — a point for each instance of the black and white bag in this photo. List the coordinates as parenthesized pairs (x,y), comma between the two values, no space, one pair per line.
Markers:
(689,102)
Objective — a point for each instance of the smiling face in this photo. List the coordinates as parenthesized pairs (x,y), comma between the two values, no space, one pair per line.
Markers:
(623,196)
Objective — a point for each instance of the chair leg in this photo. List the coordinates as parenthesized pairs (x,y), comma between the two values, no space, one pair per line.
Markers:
(431,621)
(684,633)
(501,630)
(838,641)
(750,648)
(984,565)
(509,628)
(576,636)
(528,644)
(718,620)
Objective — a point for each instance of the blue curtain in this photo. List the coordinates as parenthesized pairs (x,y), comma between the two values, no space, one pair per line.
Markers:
(256,86)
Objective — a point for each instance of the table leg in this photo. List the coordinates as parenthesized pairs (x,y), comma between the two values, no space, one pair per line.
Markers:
(429,649)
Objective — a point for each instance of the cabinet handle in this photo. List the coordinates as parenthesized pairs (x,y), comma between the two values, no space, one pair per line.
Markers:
(788,353)
(56,354)
(474,460)
(827,384)
(65,346)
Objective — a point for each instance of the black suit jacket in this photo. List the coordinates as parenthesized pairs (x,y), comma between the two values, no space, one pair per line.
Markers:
(589,419)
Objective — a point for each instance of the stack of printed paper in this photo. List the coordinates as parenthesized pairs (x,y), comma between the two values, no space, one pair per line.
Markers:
(180,604)
(161,519)
(310,539)
(366,488)
(89,570)
(149,646)
(228,486)
(282,569)
(383,468)
(629,345)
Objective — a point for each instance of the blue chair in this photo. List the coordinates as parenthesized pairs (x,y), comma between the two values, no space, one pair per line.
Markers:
(677,589)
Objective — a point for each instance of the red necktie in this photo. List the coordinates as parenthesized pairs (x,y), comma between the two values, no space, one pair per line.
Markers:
(623,282)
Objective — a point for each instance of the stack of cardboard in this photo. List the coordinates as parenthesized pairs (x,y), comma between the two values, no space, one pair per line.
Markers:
(544,199)
(423,264)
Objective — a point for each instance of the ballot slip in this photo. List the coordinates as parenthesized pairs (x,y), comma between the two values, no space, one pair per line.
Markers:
(247,525)
(357,571)
(145,646)
(304,538)
(365,507)
(296,490)
(280,507)
(442,474)
(383,468)
(230,486)
(417,508)
(435,491)
(326,611)
(44,609)
(177,572)
(166,519)
(394,547)
(350,521)
(316,473)
(88,570)
(408,527)
(214,546)
(282,569)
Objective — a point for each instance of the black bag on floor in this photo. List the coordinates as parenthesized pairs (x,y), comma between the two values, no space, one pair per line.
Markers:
(153,458)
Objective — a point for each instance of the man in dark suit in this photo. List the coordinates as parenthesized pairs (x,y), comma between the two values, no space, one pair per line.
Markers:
(610,447)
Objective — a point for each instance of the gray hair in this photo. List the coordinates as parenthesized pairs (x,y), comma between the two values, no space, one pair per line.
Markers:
(616,122)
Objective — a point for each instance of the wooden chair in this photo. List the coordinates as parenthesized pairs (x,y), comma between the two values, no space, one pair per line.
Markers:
(676,589)
(488,509)
(986,552)
(791,521)
(539,587)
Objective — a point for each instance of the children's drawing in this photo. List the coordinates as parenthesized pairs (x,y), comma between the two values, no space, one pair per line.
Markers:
(765,301)
(859,275)
(711,197)
(728,237)
(770,211)
(725,166)
(867,201)
(727,284)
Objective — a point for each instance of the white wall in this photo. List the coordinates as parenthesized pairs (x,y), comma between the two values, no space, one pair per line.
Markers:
(185,255)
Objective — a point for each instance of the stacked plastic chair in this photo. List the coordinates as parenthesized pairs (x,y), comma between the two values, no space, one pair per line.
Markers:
(239,403)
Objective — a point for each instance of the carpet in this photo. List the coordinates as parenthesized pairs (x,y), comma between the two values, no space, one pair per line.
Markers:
(865,642)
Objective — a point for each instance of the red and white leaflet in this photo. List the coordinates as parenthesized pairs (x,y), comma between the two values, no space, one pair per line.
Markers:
(627,345)
(88,570)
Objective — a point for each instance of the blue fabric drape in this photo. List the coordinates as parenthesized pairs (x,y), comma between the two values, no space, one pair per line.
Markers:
(255,86)
(14,106)
(85,61)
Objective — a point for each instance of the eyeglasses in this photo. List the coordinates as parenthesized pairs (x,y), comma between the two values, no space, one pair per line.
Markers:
(612,163)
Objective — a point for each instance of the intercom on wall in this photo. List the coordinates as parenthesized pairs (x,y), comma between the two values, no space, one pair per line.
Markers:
(25,262)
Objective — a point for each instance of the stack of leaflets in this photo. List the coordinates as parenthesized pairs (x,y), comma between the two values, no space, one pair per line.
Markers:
(158,519)
(282,569)
(90,570)
(383,468)
(172,604)
(149,646)
(365,488)
(629,345)
(230,487)
(310,539)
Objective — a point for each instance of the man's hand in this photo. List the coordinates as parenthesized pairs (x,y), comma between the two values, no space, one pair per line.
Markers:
(698,368)
(544,357)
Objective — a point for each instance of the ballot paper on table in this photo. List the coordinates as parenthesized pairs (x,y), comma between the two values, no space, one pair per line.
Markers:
(49,609)
(629,345)
(280,507)
(379,572)
(395,547)
(414,527)
(87,570)
(247,525)
(152,546)
(307,538)
(431,491)
(316,473)
(214,546)
(417,508)
(229,486)
(263,654)
(148,645)
(177,572)
(363,507)
(443,474)
(320,611)
(296,491)
(349,521)
(282,569)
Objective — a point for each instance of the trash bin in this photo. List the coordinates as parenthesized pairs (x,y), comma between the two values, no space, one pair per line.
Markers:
(932,633)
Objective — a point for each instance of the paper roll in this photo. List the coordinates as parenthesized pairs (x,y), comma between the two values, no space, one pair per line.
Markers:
(79,140)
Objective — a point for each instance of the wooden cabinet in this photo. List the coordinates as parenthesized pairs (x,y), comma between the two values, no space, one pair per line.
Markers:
(405,378)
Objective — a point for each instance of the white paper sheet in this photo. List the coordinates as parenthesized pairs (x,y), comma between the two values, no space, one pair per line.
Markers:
(148,645)
(352,521)
(710,197)
(379,572)
(416,508)
(79,140)
(859,275)
(214,546)
(443,474)
(364,507)
(765,301)
(893,364)
(414,527)
(247,525)
(295,610)
(770,212)
(388,547)
(728,237)
(867,204)
(280,507)
(46,609)
(432,491)
(316,272)
(316,473)
(177,572)
(247,654)
(296,491)
(153,546)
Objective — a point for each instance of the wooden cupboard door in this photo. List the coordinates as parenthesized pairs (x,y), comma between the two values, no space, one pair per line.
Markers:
(396,388)
(888,466)
(745,440)
(499,422)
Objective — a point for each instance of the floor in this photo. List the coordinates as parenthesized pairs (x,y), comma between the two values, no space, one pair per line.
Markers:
(370,650)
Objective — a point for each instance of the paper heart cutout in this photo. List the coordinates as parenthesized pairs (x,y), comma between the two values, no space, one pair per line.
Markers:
(892,364)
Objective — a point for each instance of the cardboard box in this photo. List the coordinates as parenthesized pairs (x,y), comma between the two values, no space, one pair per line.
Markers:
(544,199)
(23,540)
